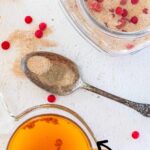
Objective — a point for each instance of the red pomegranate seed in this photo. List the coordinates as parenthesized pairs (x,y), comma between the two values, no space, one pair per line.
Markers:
(51,98)
(95,5)
(134,20)
(125,13)
(39,34)
(130,46)
(119,11)
(42,26)
(134,1)
(123,2)
(135,135)
(145,10)
(5,45)
(28,19)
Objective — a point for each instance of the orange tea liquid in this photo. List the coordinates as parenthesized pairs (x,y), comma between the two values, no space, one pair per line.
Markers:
(49,132)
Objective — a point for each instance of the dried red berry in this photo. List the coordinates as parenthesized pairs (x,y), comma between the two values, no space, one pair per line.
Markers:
(119,11)
(51,98)
(135,135)
(42,26)
(145,10)
(28,19)
(122,23)
(95,5)
(39,34)
(125,13)
(134,20)
(134,1)
(5,45)
(123,2)
(111,10)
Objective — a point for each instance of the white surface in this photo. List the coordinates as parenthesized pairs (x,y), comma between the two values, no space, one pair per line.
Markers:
(127,76)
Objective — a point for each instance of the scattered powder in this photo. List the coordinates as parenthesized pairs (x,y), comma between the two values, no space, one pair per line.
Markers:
(48,31)
(16,68)
(39,65)
(25,42)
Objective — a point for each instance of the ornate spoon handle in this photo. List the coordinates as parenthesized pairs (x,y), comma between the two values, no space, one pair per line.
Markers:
(144,109)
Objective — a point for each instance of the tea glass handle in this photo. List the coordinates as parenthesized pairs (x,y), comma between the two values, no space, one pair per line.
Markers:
(5,106)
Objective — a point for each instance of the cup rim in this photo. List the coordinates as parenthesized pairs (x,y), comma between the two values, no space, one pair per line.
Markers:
(49,114)
(36,110)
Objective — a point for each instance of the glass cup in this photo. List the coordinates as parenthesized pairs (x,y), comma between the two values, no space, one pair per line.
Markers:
(51,110)
(103,38)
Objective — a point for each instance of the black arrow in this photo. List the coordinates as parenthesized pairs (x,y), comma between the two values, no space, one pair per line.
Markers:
(100,144)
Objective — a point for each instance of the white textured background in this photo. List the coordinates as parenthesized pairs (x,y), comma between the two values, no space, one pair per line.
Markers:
(127,76)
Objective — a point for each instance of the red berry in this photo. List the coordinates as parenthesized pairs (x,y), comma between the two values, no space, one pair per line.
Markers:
(129,46)
(119,11)
(42,26)
(5,45)
(134,1)
(135,135)
(51,98)
(28,19)
(39,34)
(125,13)
(95,5)
(134,20)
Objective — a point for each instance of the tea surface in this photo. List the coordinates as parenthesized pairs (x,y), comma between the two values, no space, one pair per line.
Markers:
(49,132)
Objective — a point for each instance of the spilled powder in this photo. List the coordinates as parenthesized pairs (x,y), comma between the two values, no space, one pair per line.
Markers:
(25,42)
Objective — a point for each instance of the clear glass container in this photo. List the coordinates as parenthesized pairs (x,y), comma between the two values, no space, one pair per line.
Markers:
(55,110)
(103,38)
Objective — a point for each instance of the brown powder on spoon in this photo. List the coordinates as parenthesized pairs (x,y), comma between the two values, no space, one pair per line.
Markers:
(39,65)
(51,73)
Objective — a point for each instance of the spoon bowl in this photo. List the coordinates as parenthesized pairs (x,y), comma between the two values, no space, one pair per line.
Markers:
(61,76)
(43,80)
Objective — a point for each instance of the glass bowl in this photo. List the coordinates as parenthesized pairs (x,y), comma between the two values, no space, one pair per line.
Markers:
(43,110)
(101,37)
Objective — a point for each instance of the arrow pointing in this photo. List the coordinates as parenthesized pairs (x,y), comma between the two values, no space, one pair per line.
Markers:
(101,144)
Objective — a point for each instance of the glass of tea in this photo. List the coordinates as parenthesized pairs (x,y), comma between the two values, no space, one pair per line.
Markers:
(51,127)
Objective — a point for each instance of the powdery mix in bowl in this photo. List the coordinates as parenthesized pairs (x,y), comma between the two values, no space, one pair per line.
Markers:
(108,12)
(121,15)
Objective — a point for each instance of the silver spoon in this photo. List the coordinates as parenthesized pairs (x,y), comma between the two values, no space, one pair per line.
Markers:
(55,81)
